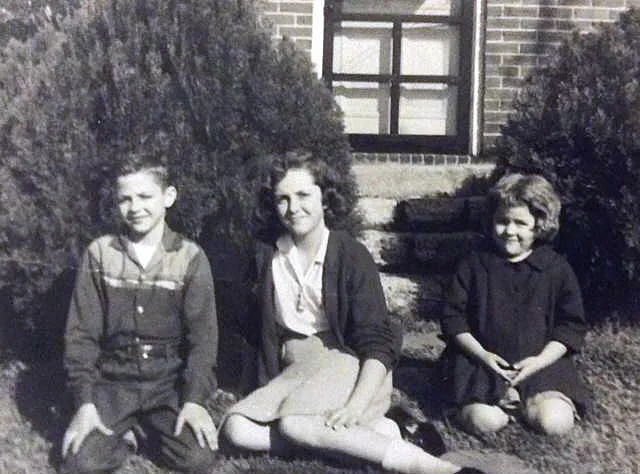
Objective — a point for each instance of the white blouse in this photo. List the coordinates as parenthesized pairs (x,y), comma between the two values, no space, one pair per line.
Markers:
(298,294)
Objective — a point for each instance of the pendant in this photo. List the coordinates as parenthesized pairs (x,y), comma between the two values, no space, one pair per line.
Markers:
(299,301)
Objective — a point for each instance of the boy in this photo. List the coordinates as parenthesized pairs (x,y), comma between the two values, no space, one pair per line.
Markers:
(141,337)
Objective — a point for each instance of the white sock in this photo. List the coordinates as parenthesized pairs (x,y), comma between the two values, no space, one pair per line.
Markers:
(387,427)
(406,458)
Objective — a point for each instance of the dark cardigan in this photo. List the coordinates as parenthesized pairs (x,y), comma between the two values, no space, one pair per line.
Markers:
(353,300)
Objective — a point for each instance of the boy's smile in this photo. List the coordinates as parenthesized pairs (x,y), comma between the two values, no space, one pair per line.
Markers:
(514,230)
(143,203)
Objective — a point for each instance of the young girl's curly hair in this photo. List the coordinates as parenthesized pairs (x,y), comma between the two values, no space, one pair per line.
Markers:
(533,191)
(268,225)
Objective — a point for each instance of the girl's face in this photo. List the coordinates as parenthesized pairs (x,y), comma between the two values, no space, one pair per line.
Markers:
(299,203)
(514,230)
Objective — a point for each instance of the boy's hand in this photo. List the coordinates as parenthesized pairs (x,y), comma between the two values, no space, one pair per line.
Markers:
(199,420)
(84,422)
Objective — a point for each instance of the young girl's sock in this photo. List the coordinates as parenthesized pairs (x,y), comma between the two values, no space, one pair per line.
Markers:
(406,458)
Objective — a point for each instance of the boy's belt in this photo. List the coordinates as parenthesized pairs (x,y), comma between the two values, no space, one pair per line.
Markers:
(140,349)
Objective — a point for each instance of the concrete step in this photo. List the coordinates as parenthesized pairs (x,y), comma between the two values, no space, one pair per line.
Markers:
(440,214)
(413,299)
(413,252)
(403,181)
(436,214)
(377,213)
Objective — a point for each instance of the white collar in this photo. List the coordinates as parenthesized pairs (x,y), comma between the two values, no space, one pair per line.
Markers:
(286,245)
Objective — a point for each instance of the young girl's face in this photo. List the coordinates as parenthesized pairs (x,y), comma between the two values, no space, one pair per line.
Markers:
(514,230)
(299,203)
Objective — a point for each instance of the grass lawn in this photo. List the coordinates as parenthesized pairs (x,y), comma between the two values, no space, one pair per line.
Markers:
(607,441)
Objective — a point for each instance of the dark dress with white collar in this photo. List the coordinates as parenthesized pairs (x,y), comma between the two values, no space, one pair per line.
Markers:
(514,310)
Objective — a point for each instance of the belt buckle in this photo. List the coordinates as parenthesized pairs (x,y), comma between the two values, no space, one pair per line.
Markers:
(145,350)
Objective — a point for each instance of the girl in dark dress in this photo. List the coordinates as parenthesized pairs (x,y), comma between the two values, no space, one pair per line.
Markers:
(513,318)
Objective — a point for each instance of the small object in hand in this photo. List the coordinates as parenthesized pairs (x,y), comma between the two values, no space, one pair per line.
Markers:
(506,366)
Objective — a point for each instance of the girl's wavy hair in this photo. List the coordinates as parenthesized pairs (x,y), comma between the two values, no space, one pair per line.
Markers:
(267,223)
(533,191)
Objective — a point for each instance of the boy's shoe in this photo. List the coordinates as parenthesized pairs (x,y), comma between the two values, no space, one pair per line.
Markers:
(469,470)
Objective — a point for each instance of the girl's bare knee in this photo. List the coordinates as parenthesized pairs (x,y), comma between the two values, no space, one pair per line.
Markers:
(238,430)
(482,418)
(300,430)
(551,416)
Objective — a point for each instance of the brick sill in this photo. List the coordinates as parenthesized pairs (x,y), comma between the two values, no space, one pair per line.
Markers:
(428,159)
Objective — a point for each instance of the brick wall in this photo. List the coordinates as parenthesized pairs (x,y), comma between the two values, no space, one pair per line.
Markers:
(291,19)
(519,36)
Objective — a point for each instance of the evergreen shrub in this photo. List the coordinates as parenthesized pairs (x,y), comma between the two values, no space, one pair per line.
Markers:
(577,122)
(200,81)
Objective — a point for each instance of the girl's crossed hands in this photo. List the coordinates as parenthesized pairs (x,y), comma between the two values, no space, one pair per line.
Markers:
(500,366)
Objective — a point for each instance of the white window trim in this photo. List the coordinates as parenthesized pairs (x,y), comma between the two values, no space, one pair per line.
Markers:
(475,132)
(317,35)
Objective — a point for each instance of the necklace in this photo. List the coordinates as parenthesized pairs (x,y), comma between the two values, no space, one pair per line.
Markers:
(299,307)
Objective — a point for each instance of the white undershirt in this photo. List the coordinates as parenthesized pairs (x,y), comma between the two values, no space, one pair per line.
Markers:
(298,294)
(144,252)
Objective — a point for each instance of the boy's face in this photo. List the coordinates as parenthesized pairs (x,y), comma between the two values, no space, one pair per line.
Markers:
(514,230)
(143,202)
(299,203)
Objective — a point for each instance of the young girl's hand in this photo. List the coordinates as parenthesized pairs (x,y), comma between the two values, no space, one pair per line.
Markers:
(499,365)
(526,368)
(551,353)
(494,362)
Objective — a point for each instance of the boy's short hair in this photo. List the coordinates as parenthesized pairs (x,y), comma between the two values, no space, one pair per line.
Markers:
(133,162)
(327,178)
(533,191)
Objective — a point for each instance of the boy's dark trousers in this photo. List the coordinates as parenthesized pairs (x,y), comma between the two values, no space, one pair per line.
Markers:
(154,406)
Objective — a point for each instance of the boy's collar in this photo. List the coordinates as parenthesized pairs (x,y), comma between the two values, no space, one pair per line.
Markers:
(171,240)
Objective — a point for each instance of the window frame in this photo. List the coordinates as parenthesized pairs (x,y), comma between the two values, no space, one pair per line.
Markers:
(394,142)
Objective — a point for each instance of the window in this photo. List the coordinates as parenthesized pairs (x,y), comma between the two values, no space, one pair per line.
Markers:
(401,72)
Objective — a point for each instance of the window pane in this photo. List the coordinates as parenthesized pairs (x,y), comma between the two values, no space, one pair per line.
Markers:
(427,109)
(365,106)
(429,50)
(362,48)
(404,7)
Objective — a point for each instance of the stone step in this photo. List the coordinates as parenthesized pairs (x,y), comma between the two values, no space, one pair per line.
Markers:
(418,252)
(403,181)
(439,214)
(377,213)
(413,299)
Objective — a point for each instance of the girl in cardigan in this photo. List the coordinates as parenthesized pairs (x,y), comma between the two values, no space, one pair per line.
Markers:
(514,317)
(324,341)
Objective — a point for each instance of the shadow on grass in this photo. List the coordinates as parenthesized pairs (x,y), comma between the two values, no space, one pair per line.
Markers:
(41,398)
(41,395)
(417,403)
